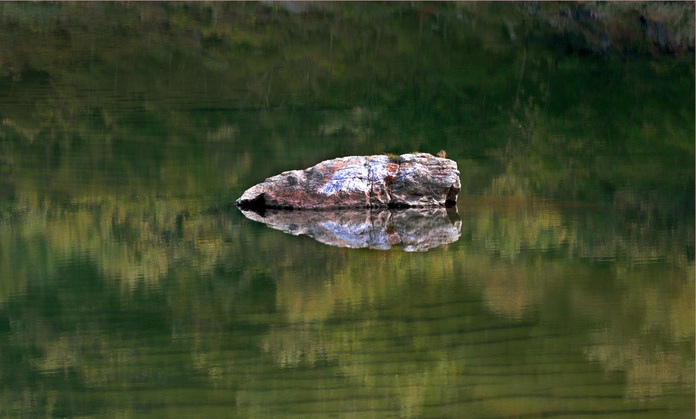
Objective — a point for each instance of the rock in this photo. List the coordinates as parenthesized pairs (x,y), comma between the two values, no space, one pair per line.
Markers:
(412,229)
(411,180)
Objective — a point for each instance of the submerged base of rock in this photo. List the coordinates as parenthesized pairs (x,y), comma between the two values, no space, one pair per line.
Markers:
(378,181)
(411,229)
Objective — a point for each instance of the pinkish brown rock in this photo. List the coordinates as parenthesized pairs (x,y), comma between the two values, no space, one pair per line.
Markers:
(411,180)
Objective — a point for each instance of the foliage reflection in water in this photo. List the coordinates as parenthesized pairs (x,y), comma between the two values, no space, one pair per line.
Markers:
(539,308)
(128,287)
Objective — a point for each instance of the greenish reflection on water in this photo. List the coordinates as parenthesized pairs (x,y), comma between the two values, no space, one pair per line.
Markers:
(129,288)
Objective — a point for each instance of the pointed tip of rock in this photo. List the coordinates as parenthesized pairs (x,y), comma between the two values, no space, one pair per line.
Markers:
(252,203)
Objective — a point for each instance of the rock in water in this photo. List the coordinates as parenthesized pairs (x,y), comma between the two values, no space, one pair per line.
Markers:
(411,180)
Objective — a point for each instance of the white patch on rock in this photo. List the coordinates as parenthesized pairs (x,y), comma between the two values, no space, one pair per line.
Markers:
(352,178)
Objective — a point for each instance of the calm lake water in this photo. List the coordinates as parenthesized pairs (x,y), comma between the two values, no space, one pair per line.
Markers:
(129,287)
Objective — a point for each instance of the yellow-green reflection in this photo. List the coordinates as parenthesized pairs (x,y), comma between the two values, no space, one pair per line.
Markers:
(128,287)
(528,313)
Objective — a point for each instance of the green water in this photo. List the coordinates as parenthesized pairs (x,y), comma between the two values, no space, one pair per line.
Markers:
(130,288)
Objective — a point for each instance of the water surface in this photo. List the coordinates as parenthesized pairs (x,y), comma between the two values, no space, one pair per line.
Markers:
(129,287)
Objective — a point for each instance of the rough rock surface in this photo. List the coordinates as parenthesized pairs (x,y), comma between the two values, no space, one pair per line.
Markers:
(412,229)
(411,180)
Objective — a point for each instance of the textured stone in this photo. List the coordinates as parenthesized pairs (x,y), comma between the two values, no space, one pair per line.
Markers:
(411,180)
(412,229)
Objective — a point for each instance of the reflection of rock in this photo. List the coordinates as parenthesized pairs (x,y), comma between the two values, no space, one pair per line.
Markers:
(413,229)
(411,180)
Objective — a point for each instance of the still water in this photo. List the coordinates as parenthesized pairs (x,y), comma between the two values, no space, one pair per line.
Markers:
(129,287)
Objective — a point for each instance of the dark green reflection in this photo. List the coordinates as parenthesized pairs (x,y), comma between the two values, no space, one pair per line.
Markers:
(259,89)
(129,288)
